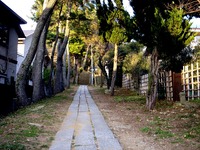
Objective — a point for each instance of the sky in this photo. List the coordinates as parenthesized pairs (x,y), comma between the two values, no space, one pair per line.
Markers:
(23,9)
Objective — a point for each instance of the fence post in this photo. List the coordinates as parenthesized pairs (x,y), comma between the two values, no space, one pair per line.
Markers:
(182,97)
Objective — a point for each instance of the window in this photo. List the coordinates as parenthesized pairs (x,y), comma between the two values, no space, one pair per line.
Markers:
(20,48)
(4,35)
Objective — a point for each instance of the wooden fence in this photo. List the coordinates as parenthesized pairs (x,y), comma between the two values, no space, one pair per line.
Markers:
(143,86)
(169,85)
(191,80)
(127,81)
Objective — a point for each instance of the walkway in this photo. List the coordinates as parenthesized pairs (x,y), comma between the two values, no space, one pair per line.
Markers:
(84,127)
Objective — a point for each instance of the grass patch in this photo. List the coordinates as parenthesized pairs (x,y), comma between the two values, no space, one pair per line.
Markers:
(163,133)
(14,146)
(2,123)
(195,101)
(32,126)
(177,140)
(134,98)
(193,132)
(145,129)
(164,104)
(158,121)
(33,131)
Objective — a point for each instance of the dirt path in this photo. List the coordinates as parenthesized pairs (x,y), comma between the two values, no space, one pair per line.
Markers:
(168,127)
(126,121)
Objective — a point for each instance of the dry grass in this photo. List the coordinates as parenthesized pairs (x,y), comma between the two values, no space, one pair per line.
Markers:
(35,126)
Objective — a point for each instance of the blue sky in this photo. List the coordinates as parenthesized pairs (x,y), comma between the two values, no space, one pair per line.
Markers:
(23,9)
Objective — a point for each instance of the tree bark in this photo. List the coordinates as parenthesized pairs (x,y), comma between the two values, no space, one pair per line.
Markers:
(92,67)
(64,68)
(59,86)
(23,70)
(49,87)
(58,80)
(68,67)
(38,84)
(37,73)
(77,69)
(101,80)
(152,82)
(86,56)
(102,67)
(114,70)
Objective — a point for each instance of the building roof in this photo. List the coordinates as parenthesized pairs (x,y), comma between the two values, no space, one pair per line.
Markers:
(11,19)
(28,32)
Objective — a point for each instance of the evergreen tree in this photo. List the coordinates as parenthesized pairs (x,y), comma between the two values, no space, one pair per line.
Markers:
(114,23)
(164,30)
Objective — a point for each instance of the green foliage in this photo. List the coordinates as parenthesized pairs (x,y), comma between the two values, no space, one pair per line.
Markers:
(76,45)
(193,132)
(135,63)
(131,47)
(46,75)
(33,131)
(118,36)
(174,22)
(36,10)
(165,28)
(195,101)
(12,146)
(197,52)
(163,133)
(113,22)
(145,129)
(175,63)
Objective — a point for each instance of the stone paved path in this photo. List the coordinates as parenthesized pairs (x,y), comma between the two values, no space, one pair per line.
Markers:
(84,127)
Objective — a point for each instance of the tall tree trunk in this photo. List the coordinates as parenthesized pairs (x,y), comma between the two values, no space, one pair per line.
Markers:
(102,67)
(58,80)
(77,70)
(64,68)
(49,86)
(59,86)
(114,70)
(23,70)
(37,73)
(152,82)
(86,56)
(75,80)
(101,80)
(68,67)
(74,69)
(92,67)
(38,84)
